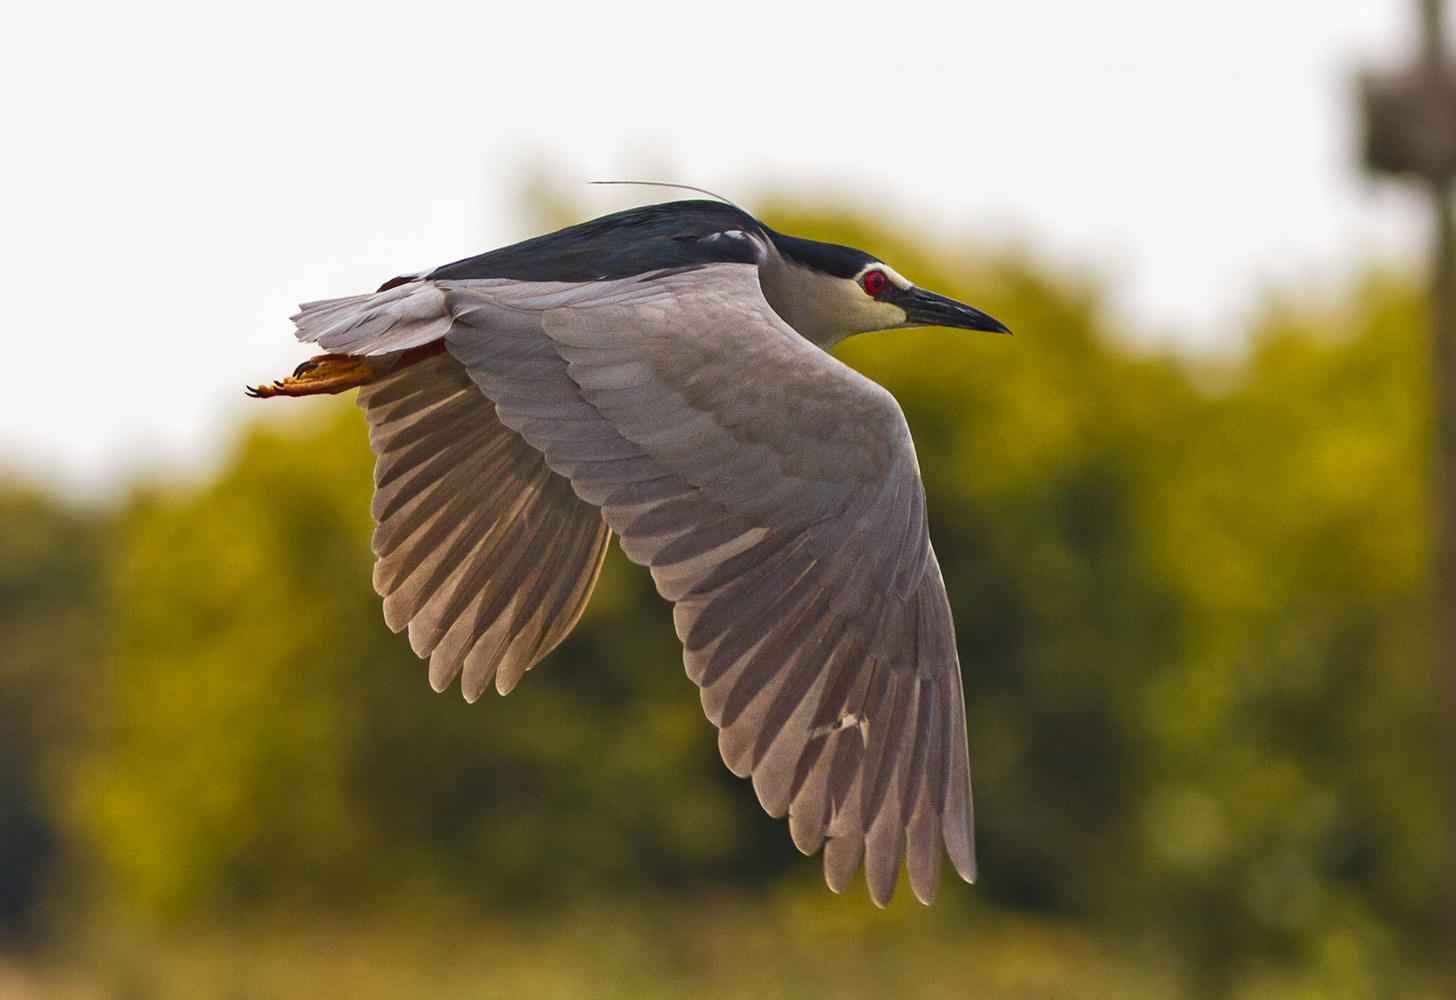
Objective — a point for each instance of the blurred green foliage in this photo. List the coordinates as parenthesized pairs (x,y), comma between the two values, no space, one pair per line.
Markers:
(51,625)
(1193,616)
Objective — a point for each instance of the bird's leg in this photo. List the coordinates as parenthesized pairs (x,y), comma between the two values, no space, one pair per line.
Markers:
(327,373)
(335,373)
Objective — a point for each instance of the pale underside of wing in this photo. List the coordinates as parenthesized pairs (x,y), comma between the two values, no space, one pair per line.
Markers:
(483,553)
(774,495)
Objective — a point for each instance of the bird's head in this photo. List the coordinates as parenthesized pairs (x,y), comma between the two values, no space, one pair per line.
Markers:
(829,292)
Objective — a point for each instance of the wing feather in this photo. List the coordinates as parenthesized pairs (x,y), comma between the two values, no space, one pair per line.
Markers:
(772,492)
(782,512)
(468,517)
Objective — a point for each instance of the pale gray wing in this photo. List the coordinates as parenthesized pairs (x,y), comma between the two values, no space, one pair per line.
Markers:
(774,494)
(484,553)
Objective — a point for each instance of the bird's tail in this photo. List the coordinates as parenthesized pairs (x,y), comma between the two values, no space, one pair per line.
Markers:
(366,337)
(398,317)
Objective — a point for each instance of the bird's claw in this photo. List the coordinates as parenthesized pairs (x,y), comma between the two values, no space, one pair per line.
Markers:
(327,373)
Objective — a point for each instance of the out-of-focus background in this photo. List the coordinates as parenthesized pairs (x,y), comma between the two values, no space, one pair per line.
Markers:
(1184,513)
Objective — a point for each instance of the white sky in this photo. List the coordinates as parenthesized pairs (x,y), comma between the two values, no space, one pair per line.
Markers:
(174,178)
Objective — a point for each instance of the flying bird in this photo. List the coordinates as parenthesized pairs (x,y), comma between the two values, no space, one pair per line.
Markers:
(663,374)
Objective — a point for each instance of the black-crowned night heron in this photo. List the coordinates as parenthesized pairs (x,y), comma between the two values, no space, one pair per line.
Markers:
(663,373)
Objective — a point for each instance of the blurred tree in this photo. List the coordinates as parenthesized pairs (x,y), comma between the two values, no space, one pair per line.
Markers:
(1409,124)
(1296,807)
(51,625)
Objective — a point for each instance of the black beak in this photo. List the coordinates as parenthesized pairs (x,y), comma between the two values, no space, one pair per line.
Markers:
(924,308)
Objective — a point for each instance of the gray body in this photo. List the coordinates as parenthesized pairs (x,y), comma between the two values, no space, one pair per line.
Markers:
(662,374)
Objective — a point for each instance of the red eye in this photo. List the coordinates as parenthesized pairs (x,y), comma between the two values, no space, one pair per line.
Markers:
(874,282)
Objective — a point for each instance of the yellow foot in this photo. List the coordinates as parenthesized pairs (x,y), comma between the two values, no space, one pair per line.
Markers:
(327,373)
(330,373)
